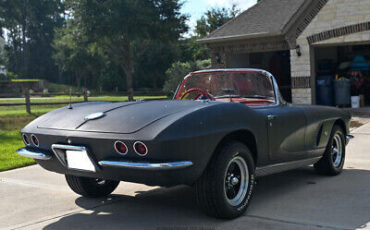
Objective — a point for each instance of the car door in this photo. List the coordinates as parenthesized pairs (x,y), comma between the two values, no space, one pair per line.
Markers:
(286,132)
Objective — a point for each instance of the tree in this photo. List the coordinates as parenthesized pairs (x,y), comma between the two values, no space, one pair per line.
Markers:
(74,52)
(125,29)
(191,50)
(29,26)
(150,68)
(3,58)
(213,19)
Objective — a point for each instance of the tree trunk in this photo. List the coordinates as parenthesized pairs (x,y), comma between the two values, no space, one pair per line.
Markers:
(85,95)
(24,43)
(130,90)
(27,100)
(128,68)
(78,79)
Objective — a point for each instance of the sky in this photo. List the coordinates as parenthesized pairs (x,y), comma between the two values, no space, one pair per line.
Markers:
(196,8)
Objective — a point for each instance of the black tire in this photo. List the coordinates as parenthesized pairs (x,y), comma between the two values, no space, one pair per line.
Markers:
(91,187)
(332,163)
(212,189)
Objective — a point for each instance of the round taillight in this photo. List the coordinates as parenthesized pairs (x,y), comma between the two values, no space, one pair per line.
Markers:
(25,139)
(140,148)
(35,140)
(120,147)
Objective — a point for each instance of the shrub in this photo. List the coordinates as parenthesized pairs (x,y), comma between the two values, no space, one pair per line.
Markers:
(179,70)
(8,76)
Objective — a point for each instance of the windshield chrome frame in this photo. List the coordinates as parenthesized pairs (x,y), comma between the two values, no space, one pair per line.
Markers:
(264,72)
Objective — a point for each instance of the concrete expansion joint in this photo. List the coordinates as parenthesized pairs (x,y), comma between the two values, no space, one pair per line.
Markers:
(298,223)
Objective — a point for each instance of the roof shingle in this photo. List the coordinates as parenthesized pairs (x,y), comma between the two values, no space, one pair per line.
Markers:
(268,17)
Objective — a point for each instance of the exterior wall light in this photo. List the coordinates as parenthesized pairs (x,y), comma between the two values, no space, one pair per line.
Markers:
(218,58)
(298,50)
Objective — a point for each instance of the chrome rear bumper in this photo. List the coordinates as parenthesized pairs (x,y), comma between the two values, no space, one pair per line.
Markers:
(117,164)
(147,166)
(32,154)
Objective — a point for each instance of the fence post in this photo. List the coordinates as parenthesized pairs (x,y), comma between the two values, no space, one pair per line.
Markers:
(28,100)
(85,95)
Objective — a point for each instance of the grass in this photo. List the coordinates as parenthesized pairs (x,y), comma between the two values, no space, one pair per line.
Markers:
(20,110)
(9,159)
(41,109)
(57,87)
(10,141)
(14,118)
(76,99)
(25,80)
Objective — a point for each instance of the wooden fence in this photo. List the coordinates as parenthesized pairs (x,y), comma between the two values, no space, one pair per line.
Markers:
(27,98)
(28,104)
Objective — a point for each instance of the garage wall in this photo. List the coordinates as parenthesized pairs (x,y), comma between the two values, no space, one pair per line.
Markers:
(335,14)
(350,39)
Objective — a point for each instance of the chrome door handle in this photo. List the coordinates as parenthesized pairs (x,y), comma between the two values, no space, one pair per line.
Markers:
(271,117)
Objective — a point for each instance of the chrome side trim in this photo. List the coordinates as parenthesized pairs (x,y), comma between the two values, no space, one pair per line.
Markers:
(281,167)
(147,166)
(32,154)
(348,138)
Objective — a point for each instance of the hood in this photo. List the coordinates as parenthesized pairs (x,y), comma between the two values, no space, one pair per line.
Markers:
(127,117)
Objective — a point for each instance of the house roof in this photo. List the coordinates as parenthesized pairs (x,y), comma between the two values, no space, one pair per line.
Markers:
(266,18)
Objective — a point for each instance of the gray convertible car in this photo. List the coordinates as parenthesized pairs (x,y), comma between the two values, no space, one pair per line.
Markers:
(223,129)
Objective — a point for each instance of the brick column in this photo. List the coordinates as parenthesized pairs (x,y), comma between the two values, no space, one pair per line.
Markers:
(218,59)
(302,73)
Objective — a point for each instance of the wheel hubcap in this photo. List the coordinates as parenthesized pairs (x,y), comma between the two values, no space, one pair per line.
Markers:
(236,181)
(337,150)
(100,181)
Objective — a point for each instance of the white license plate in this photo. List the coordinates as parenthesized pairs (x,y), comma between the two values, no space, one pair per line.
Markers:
(79,160)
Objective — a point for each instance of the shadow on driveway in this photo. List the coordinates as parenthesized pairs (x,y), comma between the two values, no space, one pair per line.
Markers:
(298,199)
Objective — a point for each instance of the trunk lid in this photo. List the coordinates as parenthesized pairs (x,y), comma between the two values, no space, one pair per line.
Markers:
(122,118)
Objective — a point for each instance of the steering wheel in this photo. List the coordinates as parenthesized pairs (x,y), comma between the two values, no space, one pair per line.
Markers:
(201,93)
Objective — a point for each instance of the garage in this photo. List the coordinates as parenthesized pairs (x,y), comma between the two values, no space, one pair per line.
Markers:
(318,50)
(342,75)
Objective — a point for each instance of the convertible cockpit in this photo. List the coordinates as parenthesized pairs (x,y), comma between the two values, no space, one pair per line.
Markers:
(250,87)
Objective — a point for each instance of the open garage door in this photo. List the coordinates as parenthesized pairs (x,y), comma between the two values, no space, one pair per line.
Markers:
(339,69)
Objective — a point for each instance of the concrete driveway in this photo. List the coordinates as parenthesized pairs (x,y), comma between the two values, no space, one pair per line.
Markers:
(32,198)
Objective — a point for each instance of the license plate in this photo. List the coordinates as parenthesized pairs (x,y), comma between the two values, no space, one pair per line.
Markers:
(79,160)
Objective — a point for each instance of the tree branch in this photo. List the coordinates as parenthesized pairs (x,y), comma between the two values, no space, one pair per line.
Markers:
(146,46)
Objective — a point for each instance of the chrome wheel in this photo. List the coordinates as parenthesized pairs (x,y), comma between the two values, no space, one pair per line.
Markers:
(236,181)
(100,181)
(337,150)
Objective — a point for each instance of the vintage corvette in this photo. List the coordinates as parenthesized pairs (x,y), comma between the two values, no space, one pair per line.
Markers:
(223,129)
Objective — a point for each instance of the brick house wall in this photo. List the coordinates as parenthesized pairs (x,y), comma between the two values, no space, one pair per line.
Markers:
(338,22)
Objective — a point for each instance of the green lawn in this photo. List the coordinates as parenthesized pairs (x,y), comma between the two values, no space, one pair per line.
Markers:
(9,159)
(76,99)
(14,118)
(41,109)
(10,141)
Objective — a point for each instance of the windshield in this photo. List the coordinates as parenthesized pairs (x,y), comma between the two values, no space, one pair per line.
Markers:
(220,85)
